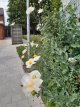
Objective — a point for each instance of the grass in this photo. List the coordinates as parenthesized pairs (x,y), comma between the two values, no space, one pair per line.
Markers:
(19,51)
(35,38)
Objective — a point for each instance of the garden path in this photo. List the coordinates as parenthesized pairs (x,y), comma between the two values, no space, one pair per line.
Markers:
(11,72)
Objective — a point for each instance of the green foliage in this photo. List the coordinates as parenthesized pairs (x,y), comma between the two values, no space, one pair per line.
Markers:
(60,62)
(35,38)
(19,51)
(60,56)
(17,12)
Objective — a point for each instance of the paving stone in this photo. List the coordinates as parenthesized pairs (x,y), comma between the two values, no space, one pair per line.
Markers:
(18,97)
(2,104)
(12,105)
(39,105)
(5,100)
(34,101)
(24,103)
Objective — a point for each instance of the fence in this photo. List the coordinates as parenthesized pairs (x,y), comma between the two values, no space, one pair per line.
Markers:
(16,33)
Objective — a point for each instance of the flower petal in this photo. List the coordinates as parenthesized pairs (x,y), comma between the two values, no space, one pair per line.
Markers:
(25,79)
(35,74)
(37,58)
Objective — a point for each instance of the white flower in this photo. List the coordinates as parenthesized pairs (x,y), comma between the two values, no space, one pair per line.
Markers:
(24,79)
(40,10)
(72,60)
(22,56)
(30,62)
(32,44)
(36,45)
(38,26)
(35,74)
(36,58)
(38,83)
(29,10)
(31,85)
(13,24)
(39,1)
(24,51)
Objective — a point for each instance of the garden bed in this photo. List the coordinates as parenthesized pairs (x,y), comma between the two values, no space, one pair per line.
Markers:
(59,64)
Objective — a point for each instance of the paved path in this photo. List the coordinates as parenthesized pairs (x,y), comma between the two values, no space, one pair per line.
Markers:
(11,72)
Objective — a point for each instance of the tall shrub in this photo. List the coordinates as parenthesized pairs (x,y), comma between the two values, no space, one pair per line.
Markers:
(60,63)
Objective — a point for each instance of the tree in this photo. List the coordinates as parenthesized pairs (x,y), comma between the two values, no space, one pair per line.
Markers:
(17,12)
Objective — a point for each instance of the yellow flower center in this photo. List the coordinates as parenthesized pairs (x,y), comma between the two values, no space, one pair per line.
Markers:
(30,85)
(30,62)
(34,76)
(35,55)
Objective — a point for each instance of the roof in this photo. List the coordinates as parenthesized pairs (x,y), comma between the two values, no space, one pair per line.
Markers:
(1,11)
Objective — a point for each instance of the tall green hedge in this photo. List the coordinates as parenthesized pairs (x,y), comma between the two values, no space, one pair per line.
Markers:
(60,60)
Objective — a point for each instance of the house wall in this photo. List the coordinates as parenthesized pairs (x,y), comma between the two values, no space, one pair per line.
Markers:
(1,18)
(2,28)
(2,32)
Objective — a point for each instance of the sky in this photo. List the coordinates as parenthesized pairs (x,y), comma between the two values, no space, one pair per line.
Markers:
(4,3)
